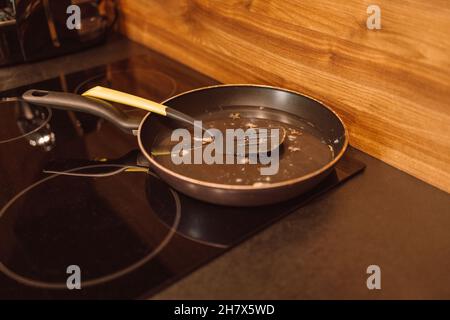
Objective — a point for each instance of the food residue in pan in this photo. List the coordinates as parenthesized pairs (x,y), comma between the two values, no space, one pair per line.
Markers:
(235,115)
(304,151)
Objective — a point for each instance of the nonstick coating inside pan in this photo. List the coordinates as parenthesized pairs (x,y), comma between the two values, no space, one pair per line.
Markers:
(304,150)
(315,135)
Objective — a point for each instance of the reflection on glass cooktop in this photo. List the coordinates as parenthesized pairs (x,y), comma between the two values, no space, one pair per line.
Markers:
(129,234)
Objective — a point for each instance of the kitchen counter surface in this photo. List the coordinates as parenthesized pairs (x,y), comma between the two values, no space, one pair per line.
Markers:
(382,216)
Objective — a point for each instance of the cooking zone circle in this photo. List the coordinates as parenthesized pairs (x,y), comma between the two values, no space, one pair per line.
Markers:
(109,215)
(190,224)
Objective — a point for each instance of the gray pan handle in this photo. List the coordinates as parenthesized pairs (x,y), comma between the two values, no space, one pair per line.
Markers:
(75,102)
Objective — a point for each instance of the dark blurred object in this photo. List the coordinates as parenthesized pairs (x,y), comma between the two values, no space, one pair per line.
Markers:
(34,126)
(37,29)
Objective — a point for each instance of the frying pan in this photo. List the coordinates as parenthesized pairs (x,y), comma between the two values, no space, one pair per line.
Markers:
(283,105)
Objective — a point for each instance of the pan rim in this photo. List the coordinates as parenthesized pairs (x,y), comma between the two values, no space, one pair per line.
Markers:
(246,187)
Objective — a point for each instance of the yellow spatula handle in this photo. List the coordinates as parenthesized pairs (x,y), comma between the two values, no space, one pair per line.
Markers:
(126,99)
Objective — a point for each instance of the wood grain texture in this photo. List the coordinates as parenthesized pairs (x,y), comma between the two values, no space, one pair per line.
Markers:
(391,86)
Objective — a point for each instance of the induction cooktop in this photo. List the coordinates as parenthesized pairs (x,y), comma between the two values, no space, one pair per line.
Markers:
(122,233)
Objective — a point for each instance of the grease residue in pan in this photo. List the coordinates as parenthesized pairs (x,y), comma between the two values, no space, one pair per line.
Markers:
(304,150)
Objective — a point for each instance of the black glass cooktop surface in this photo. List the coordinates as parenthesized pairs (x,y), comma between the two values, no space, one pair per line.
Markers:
(124,232)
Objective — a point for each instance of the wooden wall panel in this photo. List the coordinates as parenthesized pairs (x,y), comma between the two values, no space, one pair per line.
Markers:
(391,86)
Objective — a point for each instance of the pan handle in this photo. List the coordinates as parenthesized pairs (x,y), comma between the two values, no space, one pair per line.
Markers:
(75,102)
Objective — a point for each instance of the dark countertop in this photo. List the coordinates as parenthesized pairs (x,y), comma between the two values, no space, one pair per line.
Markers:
(383,216)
